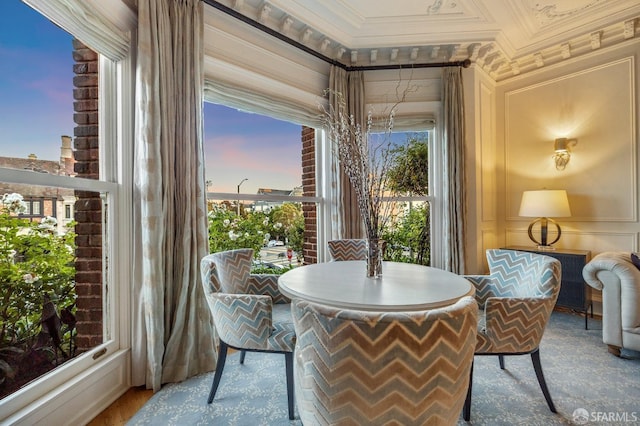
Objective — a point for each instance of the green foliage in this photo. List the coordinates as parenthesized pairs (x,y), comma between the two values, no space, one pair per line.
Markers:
(292,220)
(410,172)
(408,239)
(227,231)
(37,284)
(274,271)
(254,230)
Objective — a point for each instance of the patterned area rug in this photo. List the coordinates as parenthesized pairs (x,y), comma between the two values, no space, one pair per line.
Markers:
(582,378)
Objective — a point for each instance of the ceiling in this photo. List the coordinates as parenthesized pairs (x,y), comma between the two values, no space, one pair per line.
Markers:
(504,37)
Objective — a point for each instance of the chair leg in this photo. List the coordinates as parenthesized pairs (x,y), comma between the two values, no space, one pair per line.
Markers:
(501,361)
(222,357)
(242,355)
(288,359)
(466,410)
(535,358)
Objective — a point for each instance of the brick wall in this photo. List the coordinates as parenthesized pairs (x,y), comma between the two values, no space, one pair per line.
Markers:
(88,207)
(310,245)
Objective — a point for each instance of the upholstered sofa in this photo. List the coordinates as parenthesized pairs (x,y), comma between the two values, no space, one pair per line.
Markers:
(619,279)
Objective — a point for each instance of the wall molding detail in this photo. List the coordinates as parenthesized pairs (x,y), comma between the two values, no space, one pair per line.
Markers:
(594,241)
(537,113)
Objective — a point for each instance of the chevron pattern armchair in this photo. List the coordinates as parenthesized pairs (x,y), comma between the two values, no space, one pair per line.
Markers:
(516,300)
(361,368)
(249,312)
(348,249)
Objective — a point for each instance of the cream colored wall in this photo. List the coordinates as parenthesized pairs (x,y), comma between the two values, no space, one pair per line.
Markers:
(511,127)
(593,100)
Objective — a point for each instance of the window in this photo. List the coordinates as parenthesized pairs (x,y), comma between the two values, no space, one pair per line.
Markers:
(35,208)
(408,232)
(59,276)
(256,198)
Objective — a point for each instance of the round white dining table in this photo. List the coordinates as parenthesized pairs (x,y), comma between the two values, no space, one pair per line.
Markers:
(402,287)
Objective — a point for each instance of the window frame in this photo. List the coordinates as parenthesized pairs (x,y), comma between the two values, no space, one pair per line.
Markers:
(436,182)
(40,397)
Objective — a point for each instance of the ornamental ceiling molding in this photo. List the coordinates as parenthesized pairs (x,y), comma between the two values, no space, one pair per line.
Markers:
(546,12)
(485,44)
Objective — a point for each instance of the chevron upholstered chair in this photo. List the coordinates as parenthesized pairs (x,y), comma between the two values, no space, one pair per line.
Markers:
(516,300)
(249,312)
(361,368)
(348,249)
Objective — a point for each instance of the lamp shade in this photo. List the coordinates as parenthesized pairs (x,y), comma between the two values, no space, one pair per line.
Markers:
(545,203)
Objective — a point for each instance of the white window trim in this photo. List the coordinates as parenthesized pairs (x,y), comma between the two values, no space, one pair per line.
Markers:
(233,196)
(436,189)
(324,189)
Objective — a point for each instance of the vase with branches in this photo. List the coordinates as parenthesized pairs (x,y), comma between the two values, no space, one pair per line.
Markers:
(367,153)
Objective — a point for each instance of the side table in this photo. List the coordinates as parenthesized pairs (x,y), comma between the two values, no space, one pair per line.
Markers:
(574,294)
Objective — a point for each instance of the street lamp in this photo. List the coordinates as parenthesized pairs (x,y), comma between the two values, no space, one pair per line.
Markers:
(239,194)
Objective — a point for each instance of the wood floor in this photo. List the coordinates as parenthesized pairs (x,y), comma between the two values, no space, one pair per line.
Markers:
(126,406)
(123,408)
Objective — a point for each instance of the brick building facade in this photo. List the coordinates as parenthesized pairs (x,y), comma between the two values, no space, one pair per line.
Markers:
(309,210)
(88,208)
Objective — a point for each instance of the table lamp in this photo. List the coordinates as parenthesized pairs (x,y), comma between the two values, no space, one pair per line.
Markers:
(544,204)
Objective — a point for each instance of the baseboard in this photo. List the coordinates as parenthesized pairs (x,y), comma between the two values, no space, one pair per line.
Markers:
(566,310)
(79,400)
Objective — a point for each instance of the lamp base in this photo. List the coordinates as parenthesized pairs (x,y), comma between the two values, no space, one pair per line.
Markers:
(546,248)
(544,244)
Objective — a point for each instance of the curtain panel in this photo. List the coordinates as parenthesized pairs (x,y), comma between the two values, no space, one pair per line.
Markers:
(174,338)
(248,100)
(345,214)
(455,195)
(85,21)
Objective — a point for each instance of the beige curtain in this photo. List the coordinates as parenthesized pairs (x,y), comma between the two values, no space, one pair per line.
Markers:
(173,336)
(346,218)
(88,24)
(454,192)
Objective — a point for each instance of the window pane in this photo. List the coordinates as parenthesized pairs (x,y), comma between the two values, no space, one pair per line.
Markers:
(248,153)
(409,170)
(261,160)
(36,88)
(408,231)
(50,285)
(274,230)
(36,210)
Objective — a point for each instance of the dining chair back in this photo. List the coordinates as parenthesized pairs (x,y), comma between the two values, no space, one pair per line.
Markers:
(516,300)
(360,367)
(249,312)
(348,249)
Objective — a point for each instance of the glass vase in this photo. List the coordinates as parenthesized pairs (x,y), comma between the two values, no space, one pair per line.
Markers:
(375,251)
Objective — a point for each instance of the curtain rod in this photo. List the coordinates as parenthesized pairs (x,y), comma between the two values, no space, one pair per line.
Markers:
(231,12)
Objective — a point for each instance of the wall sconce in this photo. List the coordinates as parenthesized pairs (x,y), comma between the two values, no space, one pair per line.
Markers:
(562,152)
(544,204)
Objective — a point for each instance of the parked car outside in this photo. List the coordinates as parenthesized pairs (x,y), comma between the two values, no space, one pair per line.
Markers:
(275,243)
(262,264)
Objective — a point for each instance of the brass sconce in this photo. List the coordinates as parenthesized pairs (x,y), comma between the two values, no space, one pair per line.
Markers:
(562,152)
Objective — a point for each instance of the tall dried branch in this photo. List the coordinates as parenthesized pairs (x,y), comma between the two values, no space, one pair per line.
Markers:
(367,154)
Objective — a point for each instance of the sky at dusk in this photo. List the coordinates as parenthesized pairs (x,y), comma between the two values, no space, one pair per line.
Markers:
(36,109)
(36,83)
(241,145)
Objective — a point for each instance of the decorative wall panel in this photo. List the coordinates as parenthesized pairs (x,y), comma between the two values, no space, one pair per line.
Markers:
(597,107)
